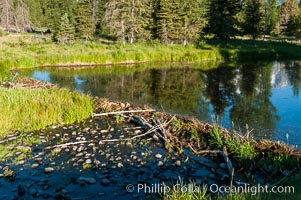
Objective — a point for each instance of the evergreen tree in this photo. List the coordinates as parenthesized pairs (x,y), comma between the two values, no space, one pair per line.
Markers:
(254,21)
(222,18)
(85,24)
(180,21)
(271,16)
(129,20)
(66,30)
(294,26)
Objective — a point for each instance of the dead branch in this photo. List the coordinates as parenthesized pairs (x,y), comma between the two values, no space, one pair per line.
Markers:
(122,112)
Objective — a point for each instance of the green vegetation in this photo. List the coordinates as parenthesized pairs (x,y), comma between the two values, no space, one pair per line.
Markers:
(27,110)
(235,147)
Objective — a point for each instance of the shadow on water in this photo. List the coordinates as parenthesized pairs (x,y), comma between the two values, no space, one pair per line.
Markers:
(261,98)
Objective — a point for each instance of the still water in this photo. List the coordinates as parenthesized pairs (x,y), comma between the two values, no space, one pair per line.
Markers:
(260,98)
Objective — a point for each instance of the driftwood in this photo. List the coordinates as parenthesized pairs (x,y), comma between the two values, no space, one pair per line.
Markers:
(122,112)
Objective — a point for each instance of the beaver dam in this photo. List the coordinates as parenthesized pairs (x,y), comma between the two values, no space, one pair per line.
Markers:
(132,152)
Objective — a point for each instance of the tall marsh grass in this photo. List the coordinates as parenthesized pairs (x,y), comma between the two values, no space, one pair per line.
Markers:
(26,110)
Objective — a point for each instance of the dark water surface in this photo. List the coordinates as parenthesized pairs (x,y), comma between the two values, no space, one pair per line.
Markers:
(263,98)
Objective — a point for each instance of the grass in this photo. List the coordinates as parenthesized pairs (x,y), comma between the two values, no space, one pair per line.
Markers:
(241,50)
(240,150)
(26,110)
(23,51)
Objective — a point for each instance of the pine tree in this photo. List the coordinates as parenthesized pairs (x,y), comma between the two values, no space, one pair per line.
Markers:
(222,19)
(66,30)
(7,15)
(129,20)
(180,21)
(271,16)
(294,26)
(254,21)
(85,25)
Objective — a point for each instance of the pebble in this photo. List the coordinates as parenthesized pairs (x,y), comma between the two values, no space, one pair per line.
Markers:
(105,182)
(158,156)
(90,180)
(48,169)
(160,164)
(119,165)
(178,163)
(34,166)
(223,165)
(79,155)
(81,148)
(88,161)
(33,191)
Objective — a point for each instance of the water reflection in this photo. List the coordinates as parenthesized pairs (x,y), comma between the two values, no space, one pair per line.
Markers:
(259,96)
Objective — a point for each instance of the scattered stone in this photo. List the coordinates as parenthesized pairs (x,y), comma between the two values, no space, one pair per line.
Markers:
(21,162)
(160,164)
(178,163)
(79,155)
(158,156)
(35,165)
(80,149)
(33,192)
(119,165)
(90,180)
(48,169)
(105,182)
(73,133)
(88,161)
(223,165)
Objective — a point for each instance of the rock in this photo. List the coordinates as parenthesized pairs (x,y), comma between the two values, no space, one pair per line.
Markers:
(90,180)
(105,182)
(119,165)
(160,164)
(178,163)
(34,166)
(156,138)
(79,155)
(80,149)
(73,133)
(21,162)
(223,165)
(33,192)
(48,169)
(88,161)
(158,156)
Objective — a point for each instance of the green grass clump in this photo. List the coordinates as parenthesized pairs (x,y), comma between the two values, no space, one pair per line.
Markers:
(239,149)
(27,110)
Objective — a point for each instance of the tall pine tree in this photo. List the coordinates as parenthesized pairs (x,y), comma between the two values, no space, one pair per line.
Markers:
(129,20)
(254,18)
(271,16)
(222,19)
(85,24)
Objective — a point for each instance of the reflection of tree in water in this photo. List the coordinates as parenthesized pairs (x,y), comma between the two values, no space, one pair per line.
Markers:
(252,105)
(293,70)
(220,88)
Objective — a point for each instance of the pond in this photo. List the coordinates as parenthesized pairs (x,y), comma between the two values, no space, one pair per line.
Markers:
(262,99)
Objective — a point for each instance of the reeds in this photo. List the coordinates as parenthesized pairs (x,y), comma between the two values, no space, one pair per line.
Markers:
(27,110)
